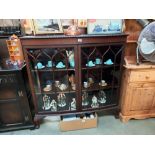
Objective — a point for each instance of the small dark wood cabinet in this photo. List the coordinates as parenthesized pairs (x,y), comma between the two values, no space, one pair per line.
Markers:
(86,48)
(14,106)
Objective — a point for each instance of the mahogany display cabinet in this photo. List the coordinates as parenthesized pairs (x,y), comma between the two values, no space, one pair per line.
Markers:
(74,74)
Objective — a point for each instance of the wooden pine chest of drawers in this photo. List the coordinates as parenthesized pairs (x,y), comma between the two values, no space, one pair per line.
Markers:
(138,92)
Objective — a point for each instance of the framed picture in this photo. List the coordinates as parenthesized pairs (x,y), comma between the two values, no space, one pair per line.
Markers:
(104,26)
(9,22)
(27,26)
(47,26)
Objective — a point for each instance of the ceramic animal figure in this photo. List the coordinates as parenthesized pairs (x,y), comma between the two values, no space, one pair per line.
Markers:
(85,101)
(61,100)
(102,97)
(53,105)
(70,55)
(46,100)
(73,104)
(94,102)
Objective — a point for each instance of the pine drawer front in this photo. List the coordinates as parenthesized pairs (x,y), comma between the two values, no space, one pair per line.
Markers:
(142,76)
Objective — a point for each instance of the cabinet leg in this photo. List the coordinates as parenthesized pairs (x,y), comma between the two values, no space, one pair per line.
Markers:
(37,124)
(124,119)
(37,120)
(116,114)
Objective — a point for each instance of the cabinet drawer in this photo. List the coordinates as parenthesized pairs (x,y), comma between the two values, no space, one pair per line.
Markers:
(138,76)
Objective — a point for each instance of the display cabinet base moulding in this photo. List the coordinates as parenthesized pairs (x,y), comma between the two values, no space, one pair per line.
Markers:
(138,91)
(74,74)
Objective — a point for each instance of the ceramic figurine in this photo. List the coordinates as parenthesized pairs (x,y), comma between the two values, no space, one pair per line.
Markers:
(98,61)
(108,62)
(103,83)
(39,66)
(94,102)
(62,87)
(73,104)
(102,97)
(61,100)
(49,64)
(73,86)
(72,30)
(85,101)
(48,86)
(57,83)
(86,84)
(70,55)
(53,105)
(60,65)
(90,64)
(72,81)
(90,80)
(46,101)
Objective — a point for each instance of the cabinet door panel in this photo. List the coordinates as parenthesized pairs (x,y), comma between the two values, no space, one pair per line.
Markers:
(142,98)
(55,84)
(99,80)
(8,86)
(8,92)
(11,113)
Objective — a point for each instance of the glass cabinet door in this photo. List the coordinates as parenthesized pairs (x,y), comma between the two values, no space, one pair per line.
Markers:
(100,75)
(53,74)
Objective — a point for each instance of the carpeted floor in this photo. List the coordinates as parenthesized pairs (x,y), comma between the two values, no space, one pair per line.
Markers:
(107,125)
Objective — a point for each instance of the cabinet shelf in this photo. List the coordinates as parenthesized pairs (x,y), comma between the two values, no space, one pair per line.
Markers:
(100,67)
(96,86)
(52,70)
(103,106)
(55,90)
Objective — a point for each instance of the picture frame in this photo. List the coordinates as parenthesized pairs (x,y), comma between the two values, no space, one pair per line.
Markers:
(47,26)
(27,26)
(104,26)
(9,22)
